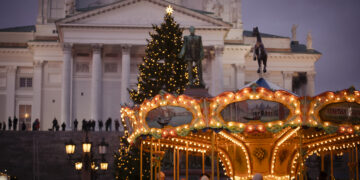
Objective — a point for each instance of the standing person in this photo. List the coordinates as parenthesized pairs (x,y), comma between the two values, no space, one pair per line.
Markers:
(55,124)
(15,123)
(93,124)
(9,123)
(36,125)
(83,125)
(75,124)
(110,124)
(63,126)
(117,125)
(23,126)
(107,125)
(100,124)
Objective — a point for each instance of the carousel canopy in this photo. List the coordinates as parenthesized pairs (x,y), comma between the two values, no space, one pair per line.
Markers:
(266,84)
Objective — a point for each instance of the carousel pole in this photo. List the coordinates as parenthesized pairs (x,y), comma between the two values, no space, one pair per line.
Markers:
(187,161)
(234,155)
(217,161)
(174,161)
(178,166)
(331,165)
(151,159)
(322,156)
(156,164)
(141,159)
(356,162)
(212,154)
(203,162)
(159,165)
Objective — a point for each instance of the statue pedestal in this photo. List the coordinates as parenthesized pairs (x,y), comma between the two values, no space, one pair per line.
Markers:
(197,92)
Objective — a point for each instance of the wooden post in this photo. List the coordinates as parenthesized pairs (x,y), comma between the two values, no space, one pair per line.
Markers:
(187,162)
(178,166)
(141,160)
(212,154)
(151,159)
(203,162)
(331,165)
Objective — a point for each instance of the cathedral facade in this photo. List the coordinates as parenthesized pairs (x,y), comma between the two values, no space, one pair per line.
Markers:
(80,57)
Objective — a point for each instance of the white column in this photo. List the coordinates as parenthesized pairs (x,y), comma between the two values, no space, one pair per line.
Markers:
(212,88)
(217,74)
(37,88)
(287,80)
(66,86)
(10,91)
(96,83)
(310,87)
(239,75)
(125,74)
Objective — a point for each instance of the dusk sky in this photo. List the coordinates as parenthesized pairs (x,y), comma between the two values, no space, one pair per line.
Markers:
(334,24)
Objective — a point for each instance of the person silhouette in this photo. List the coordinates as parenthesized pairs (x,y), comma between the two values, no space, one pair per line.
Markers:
(75,124)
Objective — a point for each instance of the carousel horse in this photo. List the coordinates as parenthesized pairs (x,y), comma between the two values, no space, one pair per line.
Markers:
(259,50)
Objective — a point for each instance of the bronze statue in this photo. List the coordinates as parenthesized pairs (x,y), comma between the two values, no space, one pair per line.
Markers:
(193,52)
(259,50)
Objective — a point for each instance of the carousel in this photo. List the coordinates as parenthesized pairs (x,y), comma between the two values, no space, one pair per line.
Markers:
(260,128)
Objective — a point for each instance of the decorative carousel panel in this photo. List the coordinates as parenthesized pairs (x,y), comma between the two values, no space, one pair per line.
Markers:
(168,116)
(258,106)
(336,112)
(341,113)
(255,110)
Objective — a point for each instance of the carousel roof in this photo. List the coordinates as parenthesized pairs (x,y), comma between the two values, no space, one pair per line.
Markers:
(266,84)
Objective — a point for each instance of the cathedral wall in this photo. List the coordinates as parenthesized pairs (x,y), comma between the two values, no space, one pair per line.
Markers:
(3,109)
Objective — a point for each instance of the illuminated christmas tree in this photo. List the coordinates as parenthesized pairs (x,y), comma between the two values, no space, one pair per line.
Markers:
(127,162)
(161,68)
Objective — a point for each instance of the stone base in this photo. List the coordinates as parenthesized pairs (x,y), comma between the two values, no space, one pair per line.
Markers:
(197,93)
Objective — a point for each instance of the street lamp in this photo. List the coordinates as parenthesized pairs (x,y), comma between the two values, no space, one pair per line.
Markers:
(70,148)
(87,163)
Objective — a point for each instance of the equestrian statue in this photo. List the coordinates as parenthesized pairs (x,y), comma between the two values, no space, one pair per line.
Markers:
(259,50)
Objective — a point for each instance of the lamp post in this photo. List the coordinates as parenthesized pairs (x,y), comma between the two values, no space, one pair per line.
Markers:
(87,164)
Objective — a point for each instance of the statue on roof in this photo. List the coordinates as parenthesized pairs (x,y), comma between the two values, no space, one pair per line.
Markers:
(193,52)
(293,32)
(259,50)
(309,41)
(218,8)
(235,12)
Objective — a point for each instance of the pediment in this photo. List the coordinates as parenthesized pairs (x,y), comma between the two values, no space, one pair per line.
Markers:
(142,13)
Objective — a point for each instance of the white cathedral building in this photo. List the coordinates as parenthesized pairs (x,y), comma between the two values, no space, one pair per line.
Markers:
(79,59)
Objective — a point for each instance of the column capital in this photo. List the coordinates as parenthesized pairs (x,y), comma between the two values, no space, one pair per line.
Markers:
(11,68)
(38,63)
(311,75)
(96,48)
(67,47)
(219,49)
(287,74)
(240,66)
(126,48)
